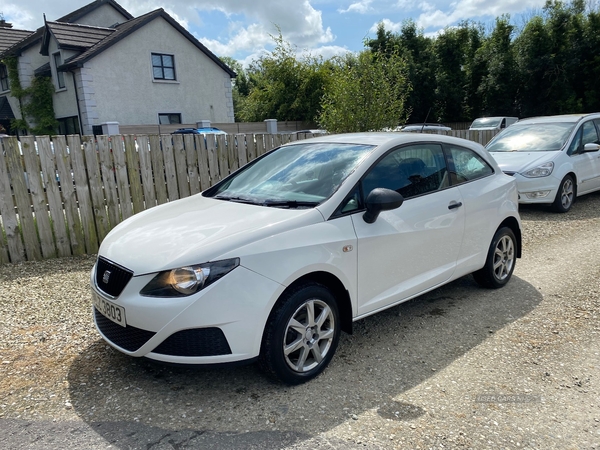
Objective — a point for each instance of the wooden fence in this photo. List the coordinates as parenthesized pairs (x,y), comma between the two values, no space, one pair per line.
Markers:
(61,196)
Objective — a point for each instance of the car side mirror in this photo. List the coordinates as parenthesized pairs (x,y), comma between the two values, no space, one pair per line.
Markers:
(381,199)
(591,147)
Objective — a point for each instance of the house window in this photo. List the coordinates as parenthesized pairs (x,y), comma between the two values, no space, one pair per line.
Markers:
(60,76)
(163,66)
(166,119)
(68,125)
(3,78)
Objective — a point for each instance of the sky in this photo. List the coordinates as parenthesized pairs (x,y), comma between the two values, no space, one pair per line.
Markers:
(243,29)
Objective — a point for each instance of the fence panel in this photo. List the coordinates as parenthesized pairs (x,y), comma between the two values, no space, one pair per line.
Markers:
(25,215)
(69,196)
(203,166)
(170,169)
(118,151)
(192,163)
(14,250)
(109,180)
(82,188)
(53,195)
(213,162)
(181,168)
(158,169)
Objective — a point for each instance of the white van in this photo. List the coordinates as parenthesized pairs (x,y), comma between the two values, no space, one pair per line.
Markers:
(492,123)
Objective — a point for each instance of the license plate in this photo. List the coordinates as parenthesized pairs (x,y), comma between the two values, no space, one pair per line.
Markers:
(109,310)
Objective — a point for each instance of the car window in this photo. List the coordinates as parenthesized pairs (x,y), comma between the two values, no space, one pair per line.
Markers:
(586,134)
(295,175)
(412,170)
(466,165)
(532,137)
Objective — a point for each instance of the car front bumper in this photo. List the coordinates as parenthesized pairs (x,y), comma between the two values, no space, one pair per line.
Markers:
(537,190)
(222,323)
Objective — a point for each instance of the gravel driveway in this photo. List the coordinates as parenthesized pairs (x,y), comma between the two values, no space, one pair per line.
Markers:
(460,367)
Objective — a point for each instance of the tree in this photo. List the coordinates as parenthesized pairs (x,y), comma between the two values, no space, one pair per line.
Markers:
(369,93)
(498,87)
(283,87)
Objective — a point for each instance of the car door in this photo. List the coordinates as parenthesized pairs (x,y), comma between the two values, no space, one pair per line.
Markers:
(585,164)
(415,247)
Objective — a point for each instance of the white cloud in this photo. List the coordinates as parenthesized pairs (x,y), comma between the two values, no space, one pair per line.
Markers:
(361,7)
(394,27)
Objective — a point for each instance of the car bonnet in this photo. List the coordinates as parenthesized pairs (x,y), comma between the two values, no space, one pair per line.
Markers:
(195,230)
(521,161)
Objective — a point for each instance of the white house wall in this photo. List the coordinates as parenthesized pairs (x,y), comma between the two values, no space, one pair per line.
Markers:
(117,85)
(103,16)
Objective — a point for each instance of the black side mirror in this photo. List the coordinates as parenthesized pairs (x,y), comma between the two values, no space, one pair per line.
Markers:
(381,199)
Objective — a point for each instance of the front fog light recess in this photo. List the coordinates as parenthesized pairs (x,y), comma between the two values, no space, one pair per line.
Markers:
(188,280)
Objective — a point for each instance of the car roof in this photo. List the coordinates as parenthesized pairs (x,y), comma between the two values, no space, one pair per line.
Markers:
(558,118)
(390,138)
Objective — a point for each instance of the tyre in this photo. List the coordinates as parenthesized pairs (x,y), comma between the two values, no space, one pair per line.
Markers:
(565,195)
(500,262)
(301,335)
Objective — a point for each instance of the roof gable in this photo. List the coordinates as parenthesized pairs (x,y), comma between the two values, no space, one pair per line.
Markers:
(72,36)
(125,29)
(34,37)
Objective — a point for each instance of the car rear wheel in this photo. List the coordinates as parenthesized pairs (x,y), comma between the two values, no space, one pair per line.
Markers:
(500,262)
(301,335)
(565,195)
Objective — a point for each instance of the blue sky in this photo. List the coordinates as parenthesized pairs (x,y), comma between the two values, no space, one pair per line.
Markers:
(241,28)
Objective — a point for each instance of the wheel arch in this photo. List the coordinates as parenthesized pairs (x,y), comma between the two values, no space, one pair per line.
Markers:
(513,224)
(336,287)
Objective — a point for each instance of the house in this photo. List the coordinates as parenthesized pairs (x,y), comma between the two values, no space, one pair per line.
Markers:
(107,66)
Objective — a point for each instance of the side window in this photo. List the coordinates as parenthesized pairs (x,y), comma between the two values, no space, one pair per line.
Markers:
(590,135)
(586,134)
(467,165)
(163,66)
(413,170)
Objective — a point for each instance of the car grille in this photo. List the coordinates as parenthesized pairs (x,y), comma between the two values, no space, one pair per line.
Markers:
(130,338)
(195,342)
(111,278)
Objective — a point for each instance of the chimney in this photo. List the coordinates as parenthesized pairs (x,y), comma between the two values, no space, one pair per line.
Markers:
(4,23)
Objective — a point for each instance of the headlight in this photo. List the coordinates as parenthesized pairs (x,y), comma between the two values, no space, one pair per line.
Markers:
(540,171)
(188,280)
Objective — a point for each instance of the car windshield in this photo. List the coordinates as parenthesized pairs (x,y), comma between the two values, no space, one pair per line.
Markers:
(532,137)
(486,122)
(294,176)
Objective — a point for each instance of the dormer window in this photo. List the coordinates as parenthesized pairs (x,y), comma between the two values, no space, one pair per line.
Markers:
(60,76)
(163,66)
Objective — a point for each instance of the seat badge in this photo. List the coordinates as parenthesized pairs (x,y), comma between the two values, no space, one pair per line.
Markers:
(106,276)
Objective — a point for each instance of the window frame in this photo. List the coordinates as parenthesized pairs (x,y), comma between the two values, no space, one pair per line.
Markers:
(169,115)
(60,76)
(162,67)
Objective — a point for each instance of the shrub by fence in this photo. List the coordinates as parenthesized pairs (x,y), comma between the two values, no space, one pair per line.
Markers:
(61,196)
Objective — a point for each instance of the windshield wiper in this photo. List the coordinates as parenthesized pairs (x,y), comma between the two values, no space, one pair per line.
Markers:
(289,204)
(238,199)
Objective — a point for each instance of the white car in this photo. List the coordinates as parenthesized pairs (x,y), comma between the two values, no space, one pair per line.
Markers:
(274,261)
(554,158)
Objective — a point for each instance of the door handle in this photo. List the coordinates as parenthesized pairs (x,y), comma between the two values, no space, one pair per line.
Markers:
(454,205)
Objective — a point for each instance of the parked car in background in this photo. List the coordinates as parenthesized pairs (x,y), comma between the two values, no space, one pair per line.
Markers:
(554,158)
(206,130)
(418,127)
(492,123)
(275,260)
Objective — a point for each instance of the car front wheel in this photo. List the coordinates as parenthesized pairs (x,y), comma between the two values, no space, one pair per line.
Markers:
(301,335)
(500,262)
(565,195)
